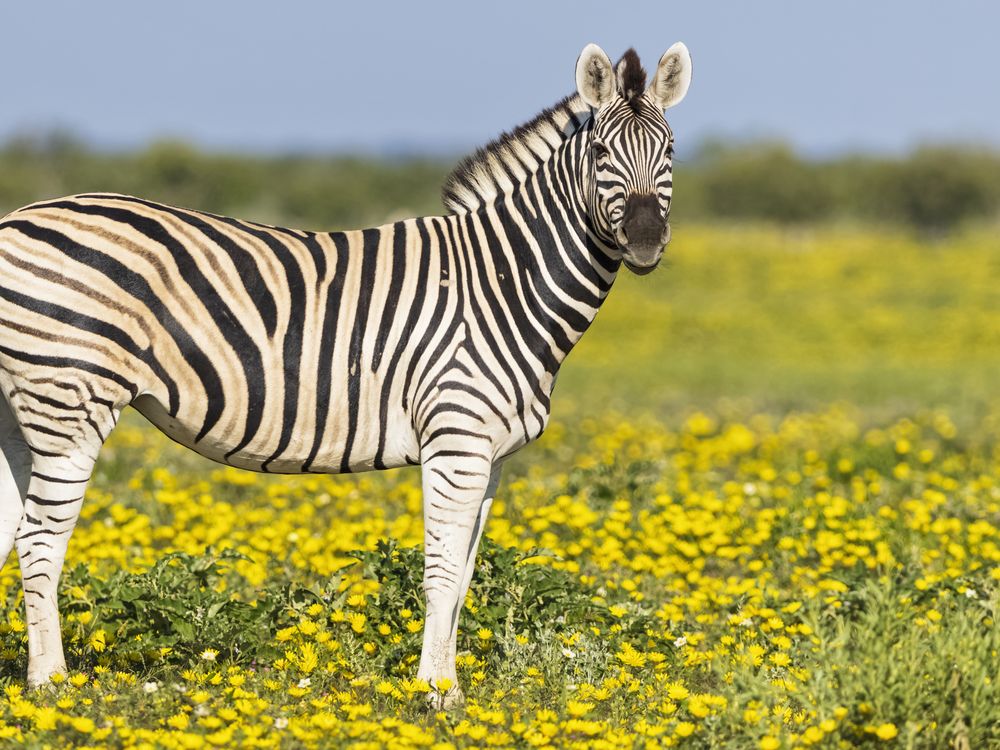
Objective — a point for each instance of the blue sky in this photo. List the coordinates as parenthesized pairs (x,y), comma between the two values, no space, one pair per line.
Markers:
(881,75)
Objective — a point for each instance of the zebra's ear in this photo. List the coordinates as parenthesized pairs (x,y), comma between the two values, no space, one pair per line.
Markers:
(595,77)
(672,78)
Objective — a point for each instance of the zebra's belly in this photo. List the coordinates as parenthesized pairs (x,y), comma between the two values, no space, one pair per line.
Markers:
(369,447)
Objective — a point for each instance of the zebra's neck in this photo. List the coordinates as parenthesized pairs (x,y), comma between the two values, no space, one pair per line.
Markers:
(538,239)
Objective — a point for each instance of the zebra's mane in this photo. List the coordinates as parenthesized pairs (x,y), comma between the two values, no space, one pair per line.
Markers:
(500,166)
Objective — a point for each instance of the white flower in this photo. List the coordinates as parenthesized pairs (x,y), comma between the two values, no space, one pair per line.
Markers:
(569,653)
(209,654)
(280,723)
(150,687)
(305,682)
(680,642)
(971,594)
(746,623)
(201,710)
(749,489)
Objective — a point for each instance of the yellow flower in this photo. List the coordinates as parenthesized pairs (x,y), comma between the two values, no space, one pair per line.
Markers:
(97,641)
(44,718)
(684,729)
(308,659)
(78,680)
(21,708)
(357,621)
(578,709)
(179,721)
(630,657)
(813,734)
(677,691)
(698,708)
(780,659)
(82,724)
(484,634)
(770,743)
(886,731)
(412,687)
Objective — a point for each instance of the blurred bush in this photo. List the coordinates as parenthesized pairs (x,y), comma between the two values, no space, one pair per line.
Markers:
(309,191)
(932,188)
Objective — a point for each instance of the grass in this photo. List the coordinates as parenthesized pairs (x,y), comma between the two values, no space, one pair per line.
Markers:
(766,514)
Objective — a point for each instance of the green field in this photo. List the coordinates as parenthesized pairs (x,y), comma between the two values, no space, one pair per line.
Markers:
(766,514)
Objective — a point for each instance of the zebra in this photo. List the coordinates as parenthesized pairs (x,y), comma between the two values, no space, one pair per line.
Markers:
(432,341)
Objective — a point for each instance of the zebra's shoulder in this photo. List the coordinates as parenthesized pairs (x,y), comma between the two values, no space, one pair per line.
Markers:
(500,166)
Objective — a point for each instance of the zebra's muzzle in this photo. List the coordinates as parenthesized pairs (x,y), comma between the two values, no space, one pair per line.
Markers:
(642,234)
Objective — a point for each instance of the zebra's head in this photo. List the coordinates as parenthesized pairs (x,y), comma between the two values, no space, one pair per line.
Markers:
(628,160)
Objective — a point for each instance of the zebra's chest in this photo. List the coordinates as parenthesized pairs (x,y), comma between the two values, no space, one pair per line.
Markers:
(529,421)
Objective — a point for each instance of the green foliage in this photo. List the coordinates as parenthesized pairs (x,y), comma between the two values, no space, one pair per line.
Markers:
(181,603)
(935,188)
(510,594)
(312,192)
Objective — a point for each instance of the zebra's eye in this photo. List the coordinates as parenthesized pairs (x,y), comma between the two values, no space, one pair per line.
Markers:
(599,150)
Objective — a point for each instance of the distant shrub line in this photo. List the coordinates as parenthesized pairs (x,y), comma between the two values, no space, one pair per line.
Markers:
(932,188)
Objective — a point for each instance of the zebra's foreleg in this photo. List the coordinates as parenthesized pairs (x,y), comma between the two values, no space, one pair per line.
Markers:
(458,487)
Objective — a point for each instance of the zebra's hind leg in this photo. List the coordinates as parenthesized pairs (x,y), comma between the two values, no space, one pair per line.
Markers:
(51,509)
(64,421)
(15,471)
(458,491)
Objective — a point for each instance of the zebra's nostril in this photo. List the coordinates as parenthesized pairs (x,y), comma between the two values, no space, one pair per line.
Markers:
(621,235)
